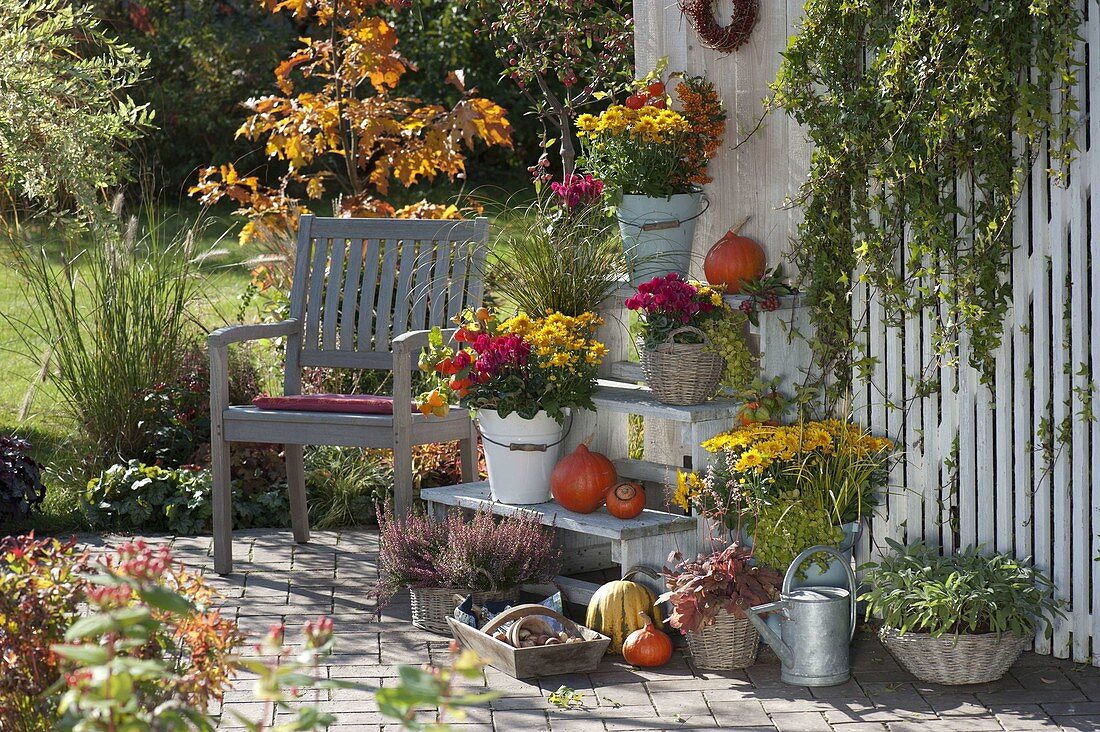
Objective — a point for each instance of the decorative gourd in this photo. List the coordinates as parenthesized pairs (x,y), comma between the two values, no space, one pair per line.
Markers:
(647,646)
(734,258)
(580,481)
(626,500)
(613,609)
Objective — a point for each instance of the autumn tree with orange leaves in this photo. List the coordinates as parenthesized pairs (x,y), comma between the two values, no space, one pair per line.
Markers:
(340,128)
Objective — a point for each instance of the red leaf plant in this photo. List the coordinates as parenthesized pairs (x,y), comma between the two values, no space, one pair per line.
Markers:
(701,588)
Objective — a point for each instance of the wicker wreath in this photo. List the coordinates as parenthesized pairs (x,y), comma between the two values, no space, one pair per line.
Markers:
(726,38)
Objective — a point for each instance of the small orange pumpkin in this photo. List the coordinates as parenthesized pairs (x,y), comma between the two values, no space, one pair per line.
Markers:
(580,481)
(626,500)
(647,646)
(733,259)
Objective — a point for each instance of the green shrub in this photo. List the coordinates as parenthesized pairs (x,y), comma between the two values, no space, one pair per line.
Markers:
(917,590)
(176,417)
(65,117)
(345,484)
(138,496)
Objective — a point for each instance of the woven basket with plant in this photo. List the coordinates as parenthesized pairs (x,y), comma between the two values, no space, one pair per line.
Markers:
(481,555)
(689,340)
(958,619)
(708,596)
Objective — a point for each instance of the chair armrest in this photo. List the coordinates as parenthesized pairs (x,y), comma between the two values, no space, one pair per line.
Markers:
(406,344)
(241,333)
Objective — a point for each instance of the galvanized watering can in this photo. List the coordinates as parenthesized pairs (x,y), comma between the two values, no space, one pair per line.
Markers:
(817,626)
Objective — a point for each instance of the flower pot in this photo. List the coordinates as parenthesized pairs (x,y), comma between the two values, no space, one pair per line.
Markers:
(950,659)
(658,233)
(729,643)
(520,454)
(681,374)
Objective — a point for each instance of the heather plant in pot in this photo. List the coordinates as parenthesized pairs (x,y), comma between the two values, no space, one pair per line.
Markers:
(963,618)
(483,555)
(709,594)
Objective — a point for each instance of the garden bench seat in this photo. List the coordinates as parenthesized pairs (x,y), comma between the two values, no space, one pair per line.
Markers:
(364,294)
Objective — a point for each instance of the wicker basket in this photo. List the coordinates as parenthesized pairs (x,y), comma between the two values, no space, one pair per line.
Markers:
(431,606)
(949,659)
(729,643)
(682,373)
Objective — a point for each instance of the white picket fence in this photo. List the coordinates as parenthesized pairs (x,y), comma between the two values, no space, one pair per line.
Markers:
(975,471)
(976,468)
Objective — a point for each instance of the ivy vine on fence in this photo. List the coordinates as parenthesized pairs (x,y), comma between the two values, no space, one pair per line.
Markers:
(926,117)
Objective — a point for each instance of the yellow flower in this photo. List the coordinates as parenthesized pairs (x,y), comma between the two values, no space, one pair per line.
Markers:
(688,486)
(749,460)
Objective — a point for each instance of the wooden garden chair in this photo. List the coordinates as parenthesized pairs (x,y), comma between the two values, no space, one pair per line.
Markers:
(361,287)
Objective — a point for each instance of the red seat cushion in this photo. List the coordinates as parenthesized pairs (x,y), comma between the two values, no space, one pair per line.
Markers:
(347,403)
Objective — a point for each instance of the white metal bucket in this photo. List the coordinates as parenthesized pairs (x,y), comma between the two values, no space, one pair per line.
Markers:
(520,454)
(658,233)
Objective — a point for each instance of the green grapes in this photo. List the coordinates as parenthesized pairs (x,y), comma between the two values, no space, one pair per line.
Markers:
(785,528)
(728,341)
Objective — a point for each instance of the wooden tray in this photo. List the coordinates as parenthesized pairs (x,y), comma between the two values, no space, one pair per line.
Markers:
(524,663)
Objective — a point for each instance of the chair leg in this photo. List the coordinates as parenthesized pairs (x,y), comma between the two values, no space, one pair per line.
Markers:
(468,448)
(296,483)
(402,476)
(223,507)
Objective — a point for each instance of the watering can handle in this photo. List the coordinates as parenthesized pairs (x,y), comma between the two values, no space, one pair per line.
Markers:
(806,554)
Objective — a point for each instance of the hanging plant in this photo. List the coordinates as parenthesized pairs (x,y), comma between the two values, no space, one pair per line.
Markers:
(725,38)
(926,118)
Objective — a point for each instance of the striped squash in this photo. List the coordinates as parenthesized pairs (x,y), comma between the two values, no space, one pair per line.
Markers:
(614,608)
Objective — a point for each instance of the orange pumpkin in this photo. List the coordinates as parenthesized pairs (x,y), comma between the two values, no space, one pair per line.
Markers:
(626,500)
(580,481)
(733,259)
(647,646)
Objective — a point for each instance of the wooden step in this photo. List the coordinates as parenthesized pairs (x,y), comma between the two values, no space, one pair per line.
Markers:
(646,471)
(615,396)
(474,496)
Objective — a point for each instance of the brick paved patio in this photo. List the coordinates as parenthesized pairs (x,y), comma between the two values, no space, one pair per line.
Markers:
(277,579)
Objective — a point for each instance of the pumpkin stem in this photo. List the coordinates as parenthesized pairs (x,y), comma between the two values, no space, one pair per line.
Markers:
(737,229)
(648,620)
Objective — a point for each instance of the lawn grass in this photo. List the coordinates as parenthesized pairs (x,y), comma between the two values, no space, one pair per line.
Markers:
(29,405)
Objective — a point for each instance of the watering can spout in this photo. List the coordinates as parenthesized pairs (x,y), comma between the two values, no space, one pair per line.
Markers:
(781,649)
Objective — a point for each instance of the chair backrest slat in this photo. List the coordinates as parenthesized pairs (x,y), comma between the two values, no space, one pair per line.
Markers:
(332,311)
(383,306)
(359,283)
(439,279)
(314,302)
(456,286)
(420,291)
(368,288)
(406,283)
(348,318)
(476,281)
